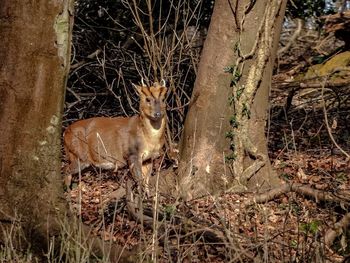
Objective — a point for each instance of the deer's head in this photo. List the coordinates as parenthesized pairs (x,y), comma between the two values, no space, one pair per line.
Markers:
(152,100)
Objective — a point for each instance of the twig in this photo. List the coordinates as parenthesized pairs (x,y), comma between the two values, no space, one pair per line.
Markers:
(327,124)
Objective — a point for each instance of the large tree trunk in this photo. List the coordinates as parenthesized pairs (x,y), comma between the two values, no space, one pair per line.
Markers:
(34,64)
(224,144)
(34,59)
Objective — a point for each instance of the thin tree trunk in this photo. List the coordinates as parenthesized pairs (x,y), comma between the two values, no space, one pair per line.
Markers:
(224,144)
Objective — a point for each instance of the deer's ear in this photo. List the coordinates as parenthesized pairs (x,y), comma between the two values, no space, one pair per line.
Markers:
(163,91)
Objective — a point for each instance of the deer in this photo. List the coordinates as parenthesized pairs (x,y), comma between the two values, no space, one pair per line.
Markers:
(111,143)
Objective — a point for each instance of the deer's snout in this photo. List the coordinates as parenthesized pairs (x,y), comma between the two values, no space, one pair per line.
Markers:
(157,115)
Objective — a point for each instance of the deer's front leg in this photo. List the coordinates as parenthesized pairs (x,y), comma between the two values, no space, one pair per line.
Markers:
(146,173)
(135,165)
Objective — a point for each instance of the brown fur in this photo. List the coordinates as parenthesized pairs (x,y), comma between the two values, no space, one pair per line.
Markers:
(112,143)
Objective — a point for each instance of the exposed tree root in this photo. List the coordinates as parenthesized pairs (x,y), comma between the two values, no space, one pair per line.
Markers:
(259,162)
(135,206)
(300,189)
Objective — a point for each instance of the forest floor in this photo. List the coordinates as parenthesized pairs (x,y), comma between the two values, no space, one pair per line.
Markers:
(289,228)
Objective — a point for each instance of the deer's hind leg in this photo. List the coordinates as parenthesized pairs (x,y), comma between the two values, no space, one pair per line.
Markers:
(76,150)
(75,166)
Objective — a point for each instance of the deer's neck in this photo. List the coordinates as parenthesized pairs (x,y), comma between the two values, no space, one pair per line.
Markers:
(153,129)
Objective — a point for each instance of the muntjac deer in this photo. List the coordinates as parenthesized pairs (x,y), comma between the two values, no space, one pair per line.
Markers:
(111,143)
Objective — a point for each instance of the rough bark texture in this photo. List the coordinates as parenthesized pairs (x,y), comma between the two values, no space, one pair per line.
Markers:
(34,59)
(237,28)
(34,63)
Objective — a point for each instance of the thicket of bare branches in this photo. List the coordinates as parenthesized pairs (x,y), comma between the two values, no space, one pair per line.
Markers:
(119,42)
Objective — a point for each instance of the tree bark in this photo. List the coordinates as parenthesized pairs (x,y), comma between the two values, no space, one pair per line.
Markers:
(224,144)
(34,62)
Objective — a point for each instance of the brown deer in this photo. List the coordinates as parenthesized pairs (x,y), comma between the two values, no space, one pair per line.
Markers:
(112,143)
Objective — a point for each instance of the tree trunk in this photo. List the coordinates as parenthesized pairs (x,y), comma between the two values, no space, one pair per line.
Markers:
(34,64)
(223,145)
(34,57)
